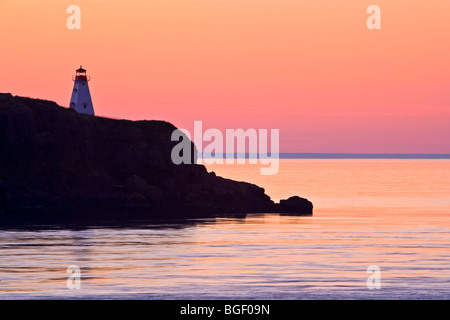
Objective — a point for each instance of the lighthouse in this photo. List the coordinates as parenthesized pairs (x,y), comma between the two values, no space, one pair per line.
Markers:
(81,100)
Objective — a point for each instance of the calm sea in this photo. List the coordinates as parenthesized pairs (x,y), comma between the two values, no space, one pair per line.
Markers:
(394,214)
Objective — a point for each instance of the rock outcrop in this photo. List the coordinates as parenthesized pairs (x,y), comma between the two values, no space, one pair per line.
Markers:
(294,206)
(58,164)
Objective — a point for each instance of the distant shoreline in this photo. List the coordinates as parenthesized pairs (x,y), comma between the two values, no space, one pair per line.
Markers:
(405,156)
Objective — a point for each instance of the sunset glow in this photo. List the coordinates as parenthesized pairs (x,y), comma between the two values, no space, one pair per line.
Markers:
(309,68)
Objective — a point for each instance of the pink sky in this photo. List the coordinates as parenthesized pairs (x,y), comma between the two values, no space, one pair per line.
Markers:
(309,68)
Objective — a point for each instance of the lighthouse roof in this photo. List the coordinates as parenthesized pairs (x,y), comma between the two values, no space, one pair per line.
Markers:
(81,69)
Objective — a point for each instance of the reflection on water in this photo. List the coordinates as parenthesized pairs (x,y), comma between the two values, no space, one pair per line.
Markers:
(403,228)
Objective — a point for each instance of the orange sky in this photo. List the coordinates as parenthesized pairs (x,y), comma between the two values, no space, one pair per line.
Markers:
(309,68)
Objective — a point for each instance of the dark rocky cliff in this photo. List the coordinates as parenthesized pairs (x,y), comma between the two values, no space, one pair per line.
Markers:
(58,164)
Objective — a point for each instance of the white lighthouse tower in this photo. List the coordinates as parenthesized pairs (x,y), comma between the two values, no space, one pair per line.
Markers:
(81,97)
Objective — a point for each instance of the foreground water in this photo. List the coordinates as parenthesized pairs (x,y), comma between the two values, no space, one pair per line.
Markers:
(391,213)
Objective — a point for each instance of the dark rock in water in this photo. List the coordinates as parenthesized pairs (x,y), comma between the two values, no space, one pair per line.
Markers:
(57,164)
(295,205)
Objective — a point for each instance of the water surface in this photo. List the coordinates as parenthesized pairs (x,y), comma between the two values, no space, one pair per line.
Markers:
(390,213)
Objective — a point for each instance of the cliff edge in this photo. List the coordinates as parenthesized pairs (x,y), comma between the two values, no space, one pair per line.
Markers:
(59,164)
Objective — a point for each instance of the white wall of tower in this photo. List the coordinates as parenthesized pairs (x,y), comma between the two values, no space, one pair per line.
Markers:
(81,98)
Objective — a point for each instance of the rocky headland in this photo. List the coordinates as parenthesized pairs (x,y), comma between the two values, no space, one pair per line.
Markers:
(59,165)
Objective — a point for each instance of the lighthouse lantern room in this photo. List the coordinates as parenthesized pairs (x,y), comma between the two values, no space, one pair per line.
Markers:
(81,100)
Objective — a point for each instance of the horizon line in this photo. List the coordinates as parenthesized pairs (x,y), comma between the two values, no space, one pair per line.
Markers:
(336,155)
